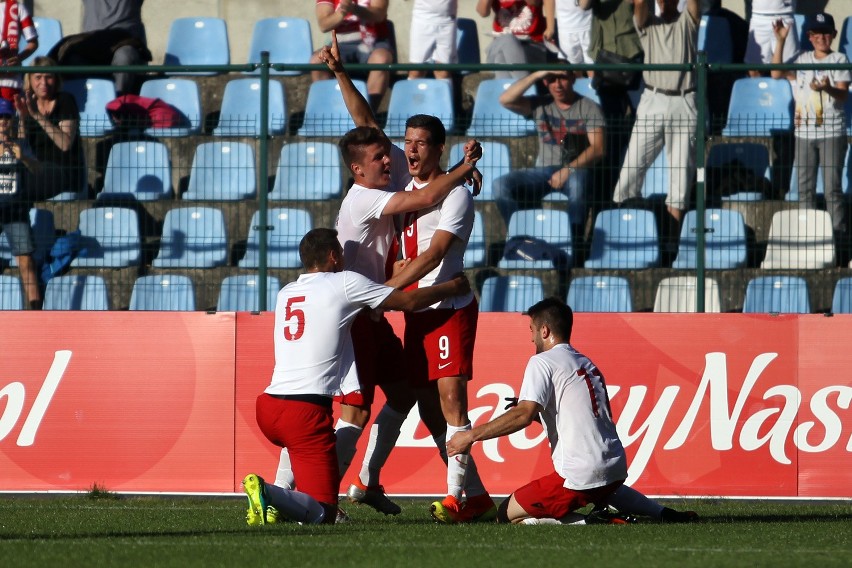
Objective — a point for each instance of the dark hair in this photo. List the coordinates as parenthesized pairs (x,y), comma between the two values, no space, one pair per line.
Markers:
(556,314)
(353,142)
(437,132)
(315,246)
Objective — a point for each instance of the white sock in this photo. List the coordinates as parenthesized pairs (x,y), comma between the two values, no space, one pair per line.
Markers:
(569,519)
(541,521)
(296,506)
(347,439)
(457,465)
(441,444)
(383,436)
(284,476)
(628,500)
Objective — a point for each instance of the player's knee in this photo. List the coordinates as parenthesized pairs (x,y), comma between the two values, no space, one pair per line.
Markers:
(503,511)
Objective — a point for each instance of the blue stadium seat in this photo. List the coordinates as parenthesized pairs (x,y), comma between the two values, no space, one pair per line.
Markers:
(753,156)
(308,171)
(583,86)
(550,225)
(240,112)
(49,33)
(777,294)
(678,294)
(845,43)
(476,251)
(624,238)
(714,38)
(490,118)
(110,238)
(163,293)
(600,294)
(288,41)
(288,226)
(92,96)
(197,41)
(841,302)
(139,170)
(760,107)
(419,96)
(193,237)
(495,162)
(804,41)
(510,293)
(725,240)
(240,293)
(656,184)
(467,42)
(44,233)
(800,239)
(222,171)
(325,111)
(183,95)
(76,292)
(11,293)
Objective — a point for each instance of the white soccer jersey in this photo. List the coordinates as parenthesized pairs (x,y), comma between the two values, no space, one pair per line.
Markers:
(455,215)
(313,316)
(584,444)
(364,233)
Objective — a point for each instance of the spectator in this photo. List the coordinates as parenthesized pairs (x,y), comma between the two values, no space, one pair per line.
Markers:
(761,45)
(518,27)
(820,121)
(667,114)
(433,35)
(15,161)
(573,29)
(52,129)
(363,34)
(15,21)
(570,141)
(124,16)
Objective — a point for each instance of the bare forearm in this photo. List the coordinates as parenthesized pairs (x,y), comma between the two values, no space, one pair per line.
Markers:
(358,107)
(422,265)
(641,13)
(513,98)
(510,422)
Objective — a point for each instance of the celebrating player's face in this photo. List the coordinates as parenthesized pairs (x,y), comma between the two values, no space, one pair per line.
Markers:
(537,340)
(372,168)
(423,156)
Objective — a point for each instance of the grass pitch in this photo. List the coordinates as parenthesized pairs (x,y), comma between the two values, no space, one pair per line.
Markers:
(82,530)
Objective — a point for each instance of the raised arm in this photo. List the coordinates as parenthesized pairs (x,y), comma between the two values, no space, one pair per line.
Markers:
(513,98)
(641,13)
(358,107)
(694,9)
(483,8)
(432,194)
(781,32)
(420,298)
(426,261)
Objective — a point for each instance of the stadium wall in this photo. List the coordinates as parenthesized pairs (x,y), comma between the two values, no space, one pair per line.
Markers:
(707,405)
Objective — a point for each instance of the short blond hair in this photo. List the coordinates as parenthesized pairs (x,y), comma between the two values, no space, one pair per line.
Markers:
(43,61)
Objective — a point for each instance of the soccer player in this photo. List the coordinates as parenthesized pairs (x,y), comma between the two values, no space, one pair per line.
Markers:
(313,352)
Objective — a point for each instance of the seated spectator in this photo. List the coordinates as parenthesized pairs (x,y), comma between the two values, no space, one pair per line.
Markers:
(518,27)
(570,141)
(761,37)
(19,24)
(363,35)
(51,123)
(119,15)
(572,25)
(433,35)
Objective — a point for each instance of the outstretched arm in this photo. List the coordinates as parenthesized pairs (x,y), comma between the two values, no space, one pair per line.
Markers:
(513,420)
(420,298)
(781,32)
(358,107)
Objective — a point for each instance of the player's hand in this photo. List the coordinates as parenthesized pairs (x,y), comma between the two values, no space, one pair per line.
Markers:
(330,55)
(460,443)
(475,181)
(399,266)
(461,284)
(472,151)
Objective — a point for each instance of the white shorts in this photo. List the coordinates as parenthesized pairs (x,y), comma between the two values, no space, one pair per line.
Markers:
(575,44)
(433,42)
(761,39)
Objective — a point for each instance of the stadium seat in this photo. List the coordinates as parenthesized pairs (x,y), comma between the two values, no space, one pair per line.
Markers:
(325,111)
(510,293)
(656,184)
(777,294)
(49,33)
(159,293)
(600,294)
(138,170)
(222,171)
(92,96)
(495,162)
(725,241)
(714,38)
(490,118)
(44,233)
(240,112)
(804,41)
(288,226)
(197,41)
(760,107)
(624,239)
(81,191)
(476,251)
(841,302)
(193,237)
(419,96)
(755,157)
(76,292)
(240,293)
(583,86)
(11,293)
(308,171)
(183,95)
(800,239)
(678,294)
(550,225)
(288,41)
(109,238)
(467,42)
(845,43)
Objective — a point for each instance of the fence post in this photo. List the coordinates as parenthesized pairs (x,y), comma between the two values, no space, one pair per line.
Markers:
(263,180)
(700,134)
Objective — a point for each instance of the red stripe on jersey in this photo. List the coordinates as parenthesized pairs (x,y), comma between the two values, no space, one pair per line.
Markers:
(409,240)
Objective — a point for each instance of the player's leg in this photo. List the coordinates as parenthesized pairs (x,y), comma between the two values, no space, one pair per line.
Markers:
(629,501)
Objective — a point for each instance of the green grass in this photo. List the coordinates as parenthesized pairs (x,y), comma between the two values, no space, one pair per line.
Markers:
(70,531)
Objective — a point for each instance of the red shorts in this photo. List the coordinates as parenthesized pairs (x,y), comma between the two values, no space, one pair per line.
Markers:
(378,357)
(547,497)
(439,343)
(307,431)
